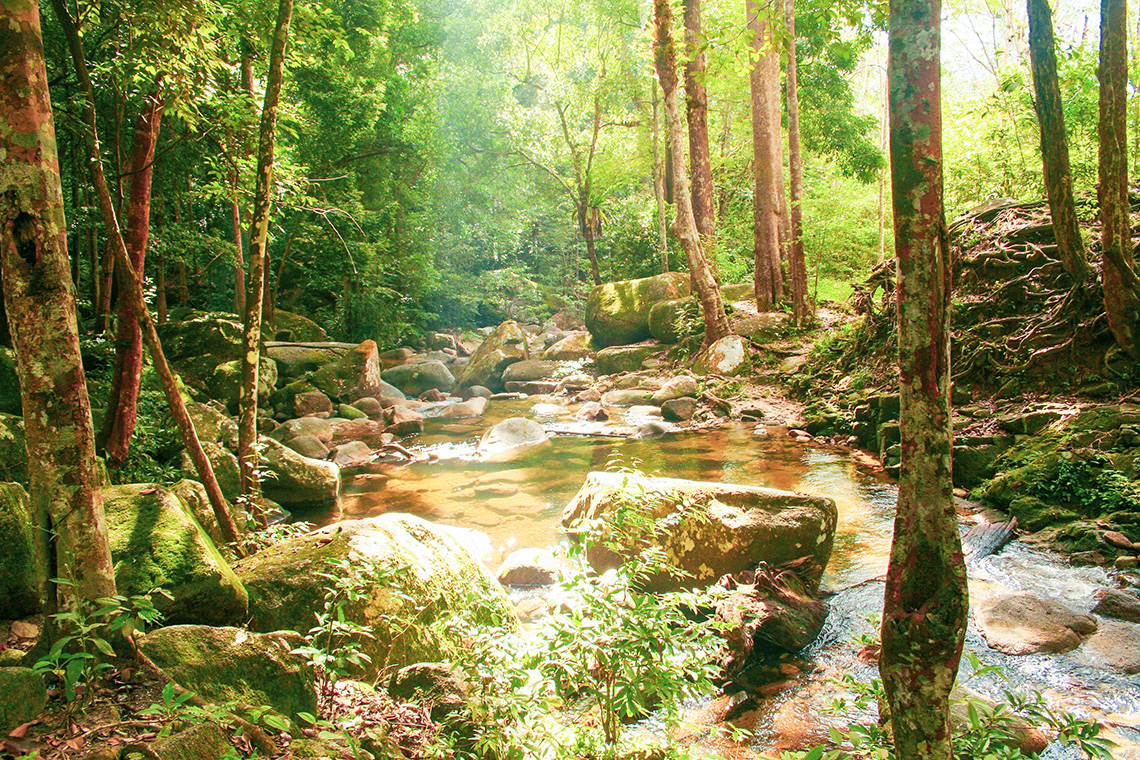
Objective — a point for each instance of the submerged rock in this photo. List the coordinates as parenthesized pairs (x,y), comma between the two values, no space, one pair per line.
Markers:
(511,438)
(424,578)
(765,611)
(713,529)
(1023,624)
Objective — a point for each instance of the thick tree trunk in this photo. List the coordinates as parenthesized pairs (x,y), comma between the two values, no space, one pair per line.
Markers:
(696,102)
(925,604)
(1121,296)
(122,404)
(132,284)
(39,297)
(255,282)
(796,264)
(685,227)
(764,78)
(1054,142)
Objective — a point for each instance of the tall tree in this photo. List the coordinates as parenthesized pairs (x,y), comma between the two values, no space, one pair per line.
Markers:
(1054,142)
(796,264)
(1118,269)
(696,111)
(925,601)
(704,283)
(39,297)
(122,404)
(765,85)
(255,282)
(131,281)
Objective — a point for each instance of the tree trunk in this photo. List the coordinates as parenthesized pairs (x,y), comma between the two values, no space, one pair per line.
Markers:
(925,603)
(696,102)
(239,258)
(39,297)
(764,79)
(1055,143)
(685,227)
(796,264)
(122,404)
(1121,296)
(255,281)
(132,284)
(659,183)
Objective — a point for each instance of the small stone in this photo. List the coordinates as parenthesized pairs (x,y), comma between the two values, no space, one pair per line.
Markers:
(529,567)
(311,404)
(369,405)
(1118,539)
(1087,558)
(1126,563)
(25,630)
(679,409)
(309,446)
(1117,604)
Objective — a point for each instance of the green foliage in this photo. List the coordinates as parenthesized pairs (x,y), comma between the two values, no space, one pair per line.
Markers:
(989,732)
(83,651)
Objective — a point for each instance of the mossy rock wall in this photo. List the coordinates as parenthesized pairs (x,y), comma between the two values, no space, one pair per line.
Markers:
(23,558)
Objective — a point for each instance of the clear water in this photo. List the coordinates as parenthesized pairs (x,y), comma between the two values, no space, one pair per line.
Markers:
(518,504)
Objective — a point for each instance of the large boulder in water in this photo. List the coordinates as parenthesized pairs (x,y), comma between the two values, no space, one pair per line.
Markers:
(297,481)
(511,438)
(712,529)
(23,558)
(417,377)
(157,543)
(423,577)
(618,312)
(1026,624)
(234,665)
(505,346)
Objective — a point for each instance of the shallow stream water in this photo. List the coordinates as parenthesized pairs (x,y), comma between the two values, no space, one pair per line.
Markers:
(512,505)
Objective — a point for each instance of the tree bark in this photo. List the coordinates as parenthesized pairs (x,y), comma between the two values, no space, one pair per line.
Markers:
(696,111)
(1118,273)
(764,79)
(685,227)
(255,281)
(796,264)
(39,297)
(132,284)
(1054,142)
(122,405)
(925,603)
(659,184)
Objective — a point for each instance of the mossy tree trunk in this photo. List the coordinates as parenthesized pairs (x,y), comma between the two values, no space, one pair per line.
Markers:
(1118,269)
(1055,142)
(925,602)
(685,227)
(39,297)
(255,281)
(796,264)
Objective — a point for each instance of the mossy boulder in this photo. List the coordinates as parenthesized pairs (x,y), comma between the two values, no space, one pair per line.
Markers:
(212,424)
(232,664)
(224,382)
(157,543)
(355,374)
(300,327)
(225,465)
(13,449)
(193,495)
(295,480)
(417,377)
(576,345)
(23,559)
(423,577)
(201,741)
(503,347)
(710,529)
(295,359)
(198,344)
(615,359)
(23,696)
(617,313)
(666,319)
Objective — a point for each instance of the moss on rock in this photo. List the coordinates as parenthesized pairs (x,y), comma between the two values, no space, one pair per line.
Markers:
(23,562)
